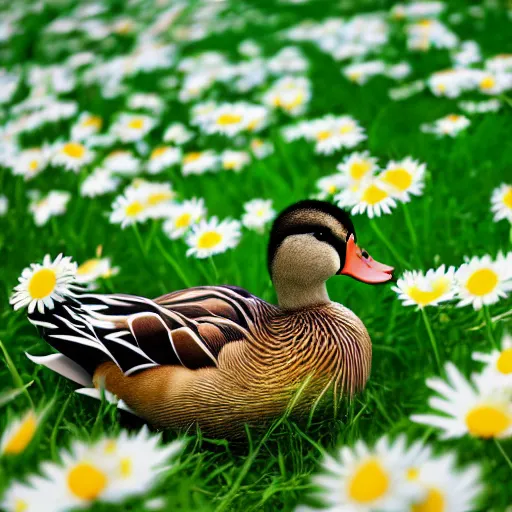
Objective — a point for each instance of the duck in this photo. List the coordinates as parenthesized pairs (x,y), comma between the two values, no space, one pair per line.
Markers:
(219,358)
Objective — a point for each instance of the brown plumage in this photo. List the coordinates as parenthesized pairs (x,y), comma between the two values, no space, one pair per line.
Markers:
(218,356)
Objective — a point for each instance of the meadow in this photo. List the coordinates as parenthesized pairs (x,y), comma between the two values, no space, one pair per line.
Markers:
(70,70)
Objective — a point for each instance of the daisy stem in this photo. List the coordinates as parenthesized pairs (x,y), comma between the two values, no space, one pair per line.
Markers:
(174,264)
(18,381)
(503,452)
(412,232)
(432,338)
(139,239)
(488,323)
(388,244)
(215,271)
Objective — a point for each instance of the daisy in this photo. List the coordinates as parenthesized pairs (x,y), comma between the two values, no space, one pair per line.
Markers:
(356,167)
(500,63)
(129,208)
(450,125)
(41,285)
(480,107)
(290,94)
(482,281)
(54,203)
(4,205)
(21,497)
(501,202)
(261,148)
(475,408)
(404,178)
(199,162)
(122,162)
(369,196)
(417,289)
(258,213)
(330,185)
(364,479)
(72,155)
(98,183)
(151,102)
(448,489)
(91,270)
(288,60)
(492,83)
(227,119)
(234,160)
(163,157)
(30,162)
(19,433)
(132,127)
(451,82)
(210,237)
(360,73)
(178,133)
(498,364)
(158,198)
(183,216)
(87,125)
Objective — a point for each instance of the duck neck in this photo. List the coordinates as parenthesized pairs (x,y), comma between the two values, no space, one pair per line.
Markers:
(293,295)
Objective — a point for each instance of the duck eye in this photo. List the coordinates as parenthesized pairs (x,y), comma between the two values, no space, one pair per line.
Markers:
(321,235)
(364,254)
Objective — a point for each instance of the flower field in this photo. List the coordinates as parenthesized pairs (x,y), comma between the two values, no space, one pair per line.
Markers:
(147,146)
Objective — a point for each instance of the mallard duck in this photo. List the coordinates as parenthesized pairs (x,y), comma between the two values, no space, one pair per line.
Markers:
(218,356)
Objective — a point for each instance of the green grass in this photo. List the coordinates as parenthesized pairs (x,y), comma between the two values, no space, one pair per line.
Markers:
(272,471)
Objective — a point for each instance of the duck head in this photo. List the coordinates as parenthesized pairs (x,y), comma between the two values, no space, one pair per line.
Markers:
(310,242)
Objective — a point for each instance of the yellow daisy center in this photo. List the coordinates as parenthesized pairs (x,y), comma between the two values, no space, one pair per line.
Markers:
(87,267)
(482,282)
(504,363)
(453,117)
(369,483)
(23,435)
(209,240)
(157,152)
(192,157)
(94,121)
(110,447)
(487,83)
(441,87)
(347,128)
(256,143)
(86,481)
(297,100)
(133,209)
(373,195)
(227,119)
(358,169)
(323,135)
(399,178)
(332,189)
(42,283)
(253,125)
(20,505)
(423,298)
(412,474)
(159,197)
(434,502)
(230,164)
(183,220)
(73,150)
(126,467)
(33,165)
(487,421)
(355,76)
(507,198)
(136,124)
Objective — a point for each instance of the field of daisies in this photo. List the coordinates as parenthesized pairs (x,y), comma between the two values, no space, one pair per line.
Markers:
(146,146)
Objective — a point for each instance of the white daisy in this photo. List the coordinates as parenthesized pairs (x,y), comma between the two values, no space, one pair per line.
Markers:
(492,83)
(86,125)
(363,479)
(473,408)
(163,157)
(21,497)
(72,155)
(19,433)
(369,196)
(234,160)
(178,133)
(54,203)
(361,72)
(129,208)
(415,288)
(290,94)
(404,178)
(480,107)
(450,125)
(448,489)
(330,185)
(30,162)
(199,162)
(501,202)
(183,216)
(258,213)
(41,285)
(357,166)
(91,270)
(150,102)
(132,127)
(498,364)
(261,148)
(450,82)
(482,281)
(210,237)
(158,198)
(122,162)
(100,182)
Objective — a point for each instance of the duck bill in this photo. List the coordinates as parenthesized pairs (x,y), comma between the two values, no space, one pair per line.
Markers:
(364,268)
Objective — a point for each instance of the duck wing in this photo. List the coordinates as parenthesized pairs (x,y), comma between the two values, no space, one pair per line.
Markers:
(187,328)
